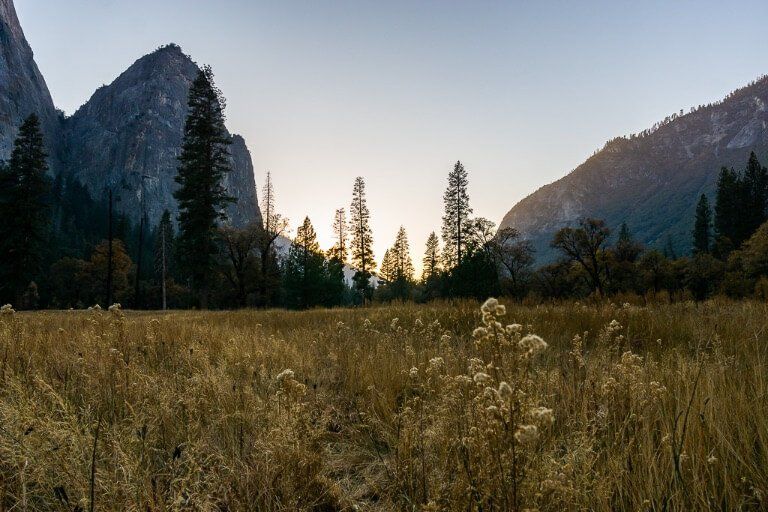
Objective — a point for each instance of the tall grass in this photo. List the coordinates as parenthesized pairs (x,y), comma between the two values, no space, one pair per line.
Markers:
(392,408)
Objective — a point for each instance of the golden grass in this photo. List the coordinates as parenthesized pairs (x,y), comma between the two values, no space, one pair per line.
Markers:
(665,409)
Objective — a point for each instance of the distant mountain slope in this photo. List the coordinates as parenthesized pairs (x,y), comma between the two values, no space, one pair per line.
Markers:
(133,128)
(22,88)
(652,181)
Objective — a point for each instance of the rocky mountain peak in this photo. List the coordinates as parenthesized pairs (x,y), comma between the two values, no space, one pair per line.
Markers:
(128,137)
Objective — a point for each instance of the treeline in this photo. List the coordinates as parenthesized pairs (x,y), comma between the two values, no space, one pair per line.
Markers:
(64,249)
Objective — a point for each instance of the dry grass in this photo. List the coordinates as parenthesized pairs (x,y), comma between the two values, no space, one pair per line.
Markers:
(665,409)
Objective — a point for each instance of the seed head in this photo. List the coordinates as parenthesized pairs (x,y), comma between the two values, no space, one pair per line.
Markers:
(481,378)
(533,344)
(526,434)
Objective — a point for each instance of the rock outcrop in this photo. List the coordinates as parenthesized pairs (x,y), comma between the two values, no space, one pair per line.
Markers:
(22,88)
(652,181)
(128,137)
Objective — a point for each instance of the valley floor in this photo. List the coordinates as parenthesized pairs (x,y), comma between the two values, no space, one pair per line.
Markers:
(434,407)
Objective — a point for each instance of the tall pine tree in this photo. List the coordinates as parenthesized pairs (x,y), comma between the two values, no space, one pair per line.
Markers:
(402,253)
(362,240)
(456,221)
(339,249)
(202,197)
(755,200)
(702,230)
(24,210)
(431,260)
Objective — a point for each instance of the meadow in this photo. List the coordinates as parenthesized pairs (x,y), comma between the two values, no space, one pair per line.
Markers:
(445,406)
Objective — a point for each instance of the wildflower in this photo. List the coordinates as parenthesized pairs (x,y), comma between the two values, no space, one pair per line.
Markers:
(418,323)
(501,310)
(533,344)
(543,415)
(114,308)
(480,332)
(414,373)
(514,328)
(7,310)
(462,379)
(489,306)
(711,460)
(393,324)
(526,434)
(286,374)
(505,391)
(481,378)
(436,363)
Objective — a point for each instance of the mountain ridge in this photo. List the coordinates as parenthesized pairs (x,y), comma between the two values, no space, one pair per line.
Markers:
(651,180)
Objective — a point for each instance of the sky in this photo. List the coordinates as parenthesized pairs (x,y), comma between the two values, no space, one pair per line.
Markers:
(397,91)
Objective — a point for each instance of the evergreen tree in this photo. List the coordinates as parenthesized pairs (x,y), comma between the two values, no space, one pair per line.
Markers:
(727,206)
(388,268)
(362,240)
(339,250)
(669,249)
(163,251)
(402,256)
(273,227)
(335,289)
(304,269)
(25,211)
(431,260)
(202,197)
(755,200)
(702,227)
(456,222)
(627,249)
(403,266)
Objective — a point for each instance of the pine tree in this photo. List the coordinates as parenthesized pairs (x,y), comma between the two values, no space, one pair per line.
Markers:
(456,220)
(431,260)
(274,226)
(402,257)
(202,197)
(304,269)
(339,249)
(727,206)
(755,200)
(387,270)
(163,250)
(626,250)
(25,212)
(703,226)
(362,239)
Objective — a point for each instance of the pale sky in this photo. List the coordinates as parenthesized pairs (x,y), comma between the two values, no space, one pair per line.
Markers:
(397,91)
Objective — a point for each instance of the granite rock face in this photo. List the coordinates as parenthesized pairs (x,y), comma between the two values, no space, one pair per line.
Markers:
(22,88)
(128,137)
(652,181)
